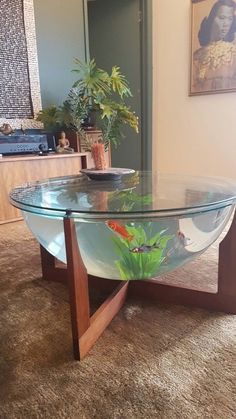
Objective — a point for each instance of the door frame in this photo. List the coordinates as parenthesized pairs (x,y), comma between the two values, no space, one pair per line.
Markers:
(145,21)
(146,82)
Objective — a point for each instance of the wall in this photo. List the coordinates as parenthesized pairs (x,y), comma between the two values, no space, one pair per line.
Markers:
(60,38)
(195,135)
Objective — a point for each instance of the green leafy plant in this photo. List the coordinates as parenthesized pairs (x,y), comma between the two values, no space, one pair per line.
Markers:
(50,118)
(67,116)
(97,99)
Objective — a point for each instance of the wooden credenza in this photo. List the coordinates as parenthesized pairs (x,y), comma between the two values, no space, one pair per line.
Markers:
(15,171)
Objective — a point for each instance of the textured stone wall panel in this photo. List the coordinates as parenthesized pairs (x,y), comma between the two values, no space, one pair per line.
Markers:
(15,97)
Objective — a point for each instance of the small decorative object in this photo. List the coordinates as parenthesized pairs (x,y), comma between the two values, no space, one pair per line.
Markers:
(213,57)
(6,129)
(98,155)
(64,144)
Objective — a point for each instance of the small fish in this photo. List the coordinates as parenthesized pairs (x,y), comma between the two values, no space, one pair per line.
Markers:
(144,248)
(185,241)
(121,230)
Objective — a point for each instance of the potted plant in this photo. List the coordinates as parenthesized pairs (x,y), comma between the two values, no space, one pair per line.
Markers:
(57,119)
(96,101)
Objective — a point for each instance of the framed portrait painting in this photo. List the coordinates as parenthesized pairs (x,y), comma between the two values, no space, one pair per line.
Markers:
(213,47)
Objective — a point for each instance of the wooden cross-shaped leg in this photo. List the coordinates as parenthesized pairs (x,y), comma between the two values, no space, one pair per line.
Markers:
(85,329)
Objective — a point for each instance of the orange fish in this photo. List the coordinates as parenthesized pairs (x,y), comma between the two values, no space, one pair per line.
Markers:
(113,225)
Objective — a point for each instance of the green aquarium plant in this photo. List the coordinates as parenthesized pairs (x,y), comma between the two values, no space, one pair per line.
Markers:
(141,253)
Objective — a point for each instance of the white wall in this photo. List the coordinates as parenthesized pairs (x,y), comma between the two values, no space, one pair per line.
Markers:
(195,135)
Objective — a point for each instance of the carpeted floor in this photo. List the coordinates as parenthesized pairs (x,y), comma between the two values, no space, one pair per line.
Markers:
(153,361)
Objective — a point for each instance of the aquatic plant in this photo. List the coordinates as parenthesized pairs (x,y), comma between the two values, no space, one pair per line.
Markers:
(128,200)
(142,256)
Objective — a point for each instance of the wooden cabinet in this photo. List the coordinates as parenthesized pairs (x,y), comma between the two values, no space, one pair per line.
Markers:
(16,171)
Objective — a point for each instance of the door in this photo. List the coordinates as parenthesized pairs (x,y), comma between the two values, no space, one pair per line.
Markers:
(116,34)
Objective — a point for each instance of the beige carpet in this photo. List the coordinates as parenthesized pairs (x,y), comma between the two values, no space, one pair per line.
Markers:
(153,361)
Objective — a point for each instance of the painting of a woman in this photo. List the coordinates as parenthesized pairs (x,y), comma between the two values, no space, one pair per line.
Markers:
(213,67)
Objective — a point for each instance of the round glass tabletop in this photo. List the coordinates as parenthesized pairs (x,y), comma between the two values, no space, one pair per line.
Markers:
(138,227)
(137,195)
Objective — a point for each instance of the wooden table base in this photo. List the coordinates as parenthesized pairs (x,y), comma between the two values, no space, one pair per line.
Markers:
(86,329)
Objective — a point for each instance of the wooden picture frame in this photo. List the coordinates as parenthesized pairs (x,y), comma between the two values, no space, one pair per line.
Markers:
(213,47)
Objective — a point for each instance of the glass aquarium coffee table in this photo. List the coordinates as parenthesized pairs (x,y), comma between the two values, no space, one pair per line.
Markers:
(125,233)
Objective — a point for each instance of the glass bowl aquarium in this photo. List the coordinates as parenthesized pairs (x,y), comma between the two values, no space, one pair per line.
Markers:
(138,227)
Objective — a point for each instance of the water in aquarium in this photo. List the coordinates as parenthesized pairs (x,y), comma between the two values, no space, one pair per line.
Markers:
(133,249)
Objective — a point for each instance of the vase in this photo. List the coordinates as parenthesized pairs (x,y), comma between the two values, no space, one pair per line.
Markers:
(98,155)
